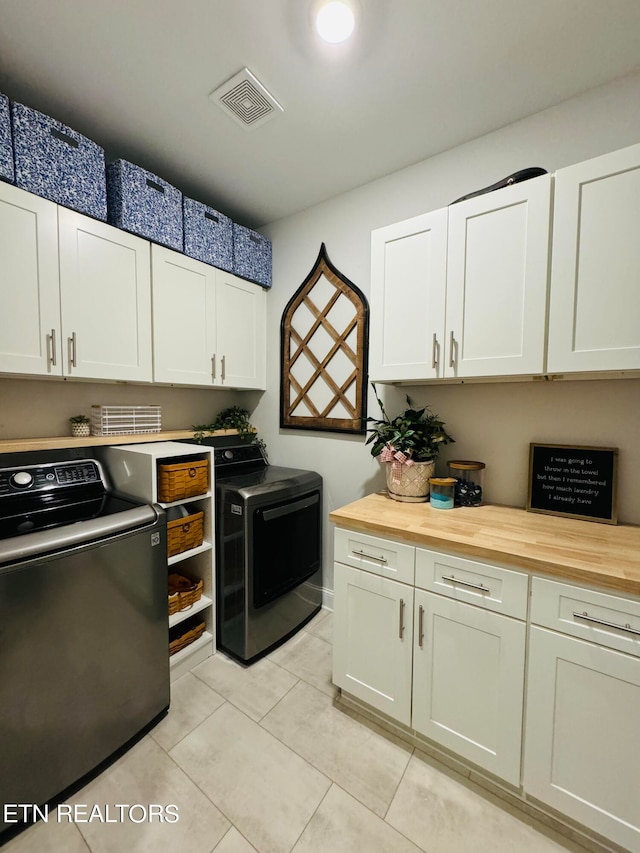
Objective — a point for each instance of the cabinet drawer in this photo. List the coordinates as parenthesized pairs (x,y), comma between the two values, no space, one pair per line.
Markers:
(482,584)
(607,620)
(375,554)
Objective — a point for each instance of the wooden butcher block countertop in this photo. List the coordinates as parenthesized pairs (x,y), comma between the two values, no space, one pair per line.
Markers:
(588,552)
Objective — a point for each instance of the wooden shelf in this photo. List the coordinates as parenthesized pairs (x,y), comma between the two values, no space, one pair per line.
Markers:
(19,445)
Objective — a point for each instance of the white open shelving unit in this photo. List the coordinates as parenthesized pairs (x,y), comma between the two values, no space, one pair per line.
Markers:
(134,471)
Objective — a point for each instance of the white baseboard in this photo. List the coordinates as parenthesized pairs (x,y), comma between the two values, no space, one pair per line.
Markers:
(327,598)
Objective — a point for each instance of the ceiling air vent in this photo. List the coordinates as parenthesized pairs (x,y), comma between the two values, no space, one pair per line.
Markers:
(246,100)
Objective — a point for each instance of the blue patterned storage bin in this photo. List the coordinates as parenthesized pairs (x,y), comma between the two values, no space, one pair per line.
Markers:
(251,255)
(58,163)
(6,146)
(208,235)
(141,202)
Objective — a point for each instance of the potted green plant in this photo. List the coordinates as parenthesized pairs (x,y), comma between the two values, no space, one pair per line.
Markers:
(408,444)
(80,425)
(235,417)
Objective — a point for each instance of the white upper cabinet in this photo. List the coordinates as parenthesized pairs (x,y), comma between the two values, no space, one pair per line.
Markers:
(209,327)
(241,331)
(497,275)
(184,307)
(594,319)
(408,281)
(462,291)
(29,290)
(105,294)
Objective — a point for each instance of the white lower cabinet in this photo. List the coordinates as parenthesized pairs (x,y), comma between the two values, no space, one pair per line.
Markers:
(468,682)
(373,637)
(452,671)
(583,711)
(482,638)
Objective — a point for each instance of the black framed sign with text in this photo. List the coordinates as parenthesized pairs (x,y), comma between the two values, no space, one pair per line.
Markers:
(579,482)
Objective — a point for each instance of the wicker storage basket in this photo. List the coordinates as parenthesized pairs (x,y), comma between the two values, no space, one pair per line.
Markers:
(181,480)
(186,639)
(186,533)
(183,592)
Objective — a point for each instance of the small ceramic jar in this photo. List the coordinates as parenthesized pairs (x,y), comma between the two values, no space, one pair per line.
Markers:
(441,492)
(80,430)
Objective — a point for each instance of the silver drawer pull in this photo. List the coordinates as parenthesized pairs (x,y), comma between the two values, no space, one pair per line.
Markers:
(371,556)
(585,616)
(401,625)
(452,350)
(466,583)
(51,343)
(73,345)
(420,625)
(434,351)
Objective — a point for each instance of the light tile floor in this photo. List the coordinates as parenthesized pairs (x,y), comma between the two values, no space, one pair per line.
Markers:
(259,759)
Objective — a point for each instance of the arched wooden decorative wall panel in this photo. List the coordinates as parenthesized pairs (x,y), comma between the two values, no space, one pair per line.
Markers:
(324,346)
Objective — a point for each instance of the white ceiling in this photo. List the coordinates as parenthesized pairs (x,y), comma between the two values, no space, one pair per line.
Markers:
(420,76)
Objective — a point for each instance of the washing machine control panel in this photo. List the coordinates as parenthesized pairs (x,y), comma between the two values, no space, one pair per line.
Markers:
(49,477)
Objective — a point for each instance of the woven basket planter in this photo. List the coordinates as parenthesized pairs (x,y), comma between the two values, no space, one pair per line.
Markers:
(413,482)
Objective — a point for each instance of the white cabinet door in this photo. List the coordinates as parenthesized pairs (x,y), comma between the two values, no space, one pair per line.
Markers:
(241,332)
(373,635)
(468,682)
(594,313)
(497,276)
(184,319)
(581,751)
(408,282)
(29,292)
(105,294)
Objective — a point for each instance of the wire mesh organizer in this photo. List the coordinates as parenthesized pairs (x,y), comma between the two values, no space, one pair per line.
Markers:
(125,420)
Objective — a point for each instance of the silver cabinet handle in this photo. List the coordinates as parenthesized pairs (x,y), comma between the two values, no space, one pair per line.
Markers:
(401,625)
(222,367)
(466,583)
(452,349)
(420,625)
(74,344)
(213,366)
(585,616)
(370,556)
(51,344)
(434,351)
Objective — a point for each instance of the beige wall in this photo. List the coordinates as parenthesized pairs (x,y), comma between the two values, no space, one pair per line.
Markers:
(31,408)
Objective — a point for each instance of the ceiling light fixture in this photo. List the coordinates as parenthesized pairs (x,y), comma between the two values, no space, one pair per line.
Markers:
(335,21)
